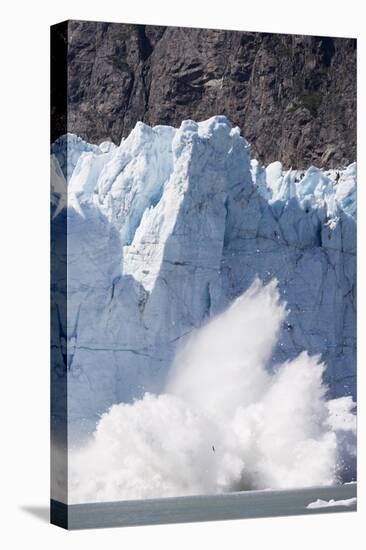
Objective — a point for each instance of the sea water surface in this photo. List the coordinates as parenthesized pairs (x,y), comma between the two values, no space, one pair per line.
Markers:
(249,504)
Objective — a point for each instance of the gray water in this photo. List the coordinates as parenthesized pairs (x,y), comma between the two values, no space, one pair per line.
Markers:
(251,504)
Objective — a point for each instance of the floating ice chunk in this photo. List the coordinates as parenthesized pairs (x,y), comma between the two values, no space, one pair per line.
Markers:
(331,503)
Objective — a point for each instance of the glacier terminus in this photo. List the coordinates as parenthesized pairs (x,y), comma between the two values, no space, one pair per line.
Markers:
(166,230)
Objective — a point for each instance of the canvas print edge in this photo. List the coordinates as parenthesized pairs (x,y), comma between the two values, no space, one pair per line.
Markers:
(127,513)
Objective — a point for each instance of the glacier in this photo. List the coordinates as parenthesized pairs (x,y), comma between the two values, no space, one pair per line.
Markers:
(165,231)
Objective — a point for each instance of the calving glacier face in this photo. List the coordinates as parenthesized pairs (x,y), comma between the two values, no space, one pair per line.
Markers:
(223,422)
(167,229)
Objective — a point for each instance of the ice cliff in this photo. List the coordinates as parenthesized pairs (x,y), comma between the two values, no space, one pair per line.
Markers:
(166,230)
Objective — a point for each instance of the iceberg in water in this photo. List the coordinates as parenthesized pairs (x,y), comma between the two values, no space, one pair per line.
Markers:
(331,503)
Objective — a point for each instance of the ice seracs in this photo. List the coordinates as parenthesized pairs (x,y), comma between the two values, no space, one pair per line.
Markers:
(313,188)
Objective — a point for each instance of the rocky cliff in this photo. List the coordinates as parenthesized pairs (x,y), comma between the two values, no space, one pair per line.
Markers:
(295,96)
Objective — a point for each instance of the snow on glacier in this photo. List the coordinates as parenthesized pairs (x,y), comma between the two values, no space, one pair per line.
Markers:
(167,229)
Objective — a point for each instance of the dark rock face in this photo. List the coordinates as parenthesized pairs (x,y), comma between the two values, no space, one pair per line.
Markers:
(293,96)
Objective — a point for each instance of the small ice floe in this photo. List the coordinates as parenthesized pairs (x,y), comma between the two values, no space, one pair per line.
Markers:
(330,503)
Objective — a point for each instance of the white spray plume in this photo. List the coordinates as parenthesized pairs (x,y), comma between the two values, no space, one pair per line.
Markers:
(225,422)
(222,365)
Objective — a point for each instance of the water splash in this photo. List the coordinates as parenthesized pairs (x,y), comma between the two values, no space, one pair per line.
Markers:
(225,422)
